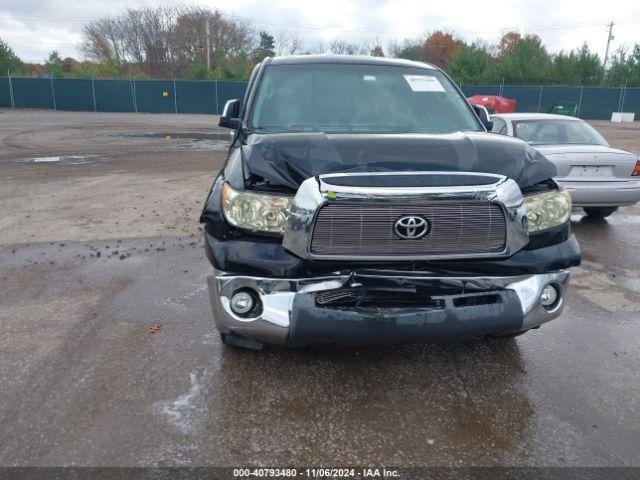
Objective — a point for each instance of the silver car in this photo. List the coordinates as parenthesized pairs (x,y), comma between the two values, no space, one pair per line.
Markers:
(599,177)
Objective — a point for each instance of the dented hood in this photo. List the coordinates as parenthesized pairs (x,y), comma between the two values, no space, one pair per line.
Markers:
(289,158)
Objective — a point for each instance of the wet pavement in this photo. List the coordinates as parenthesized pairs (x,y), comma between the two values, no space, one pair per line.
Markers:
(87,379)
(187,140)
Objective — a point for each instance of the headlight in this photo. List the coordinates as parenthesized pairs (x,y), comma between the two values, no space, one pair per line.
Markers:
(547,210)
(255,211)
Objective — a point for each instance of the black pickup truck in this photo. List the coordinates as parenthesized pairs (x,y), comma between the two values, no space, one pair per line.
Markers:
(364,202)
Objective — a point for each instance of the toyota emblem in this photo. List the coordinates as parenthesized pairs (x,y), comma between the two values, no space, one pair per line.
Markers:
(411,227)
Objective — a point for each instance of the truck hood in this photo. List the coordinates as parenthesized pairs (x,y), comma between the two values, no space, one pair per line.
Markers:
(288,159)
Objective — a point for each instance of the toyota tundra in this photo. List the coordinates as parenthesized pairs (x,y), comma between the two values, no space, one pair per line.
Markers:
(364,202)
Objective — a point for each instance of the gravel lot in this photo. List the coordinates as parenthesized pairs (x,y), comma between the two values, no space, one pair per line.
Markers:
(99,242)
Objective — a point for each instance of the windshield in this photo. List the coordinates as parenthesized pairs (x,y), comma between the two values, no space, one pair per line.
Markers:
(547,132)
(358,98)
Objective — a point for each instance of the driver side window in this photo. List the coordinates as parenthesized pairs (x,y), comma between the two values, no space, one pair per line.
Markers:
(499,126)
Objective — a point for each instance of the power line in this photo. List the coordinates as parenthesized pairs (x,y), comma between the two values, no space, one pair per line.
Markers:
(314,26)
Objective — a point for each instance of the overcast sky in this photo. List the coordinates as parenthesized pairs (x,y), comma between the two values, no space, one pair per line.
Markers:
(35,27)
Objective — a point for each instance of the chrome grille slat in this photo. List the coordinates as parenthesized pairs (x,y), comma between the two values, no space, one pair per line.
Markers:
(367,229)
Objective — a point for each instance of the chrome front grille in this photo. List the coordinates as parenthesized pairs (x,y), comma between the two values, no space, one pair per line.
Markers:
(368,229)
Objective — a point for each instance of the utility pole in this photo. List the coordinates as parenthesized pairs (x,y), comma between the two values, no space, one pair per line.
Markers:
(609,38)
(208,53)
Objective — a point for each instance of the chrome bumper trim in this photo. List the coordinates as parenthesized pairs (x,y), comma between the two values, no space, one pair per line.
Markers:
(277,295)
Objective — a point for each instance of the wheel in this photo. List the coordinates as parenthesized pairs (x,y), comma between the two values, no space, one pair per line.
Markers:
(233,340)
(599,212)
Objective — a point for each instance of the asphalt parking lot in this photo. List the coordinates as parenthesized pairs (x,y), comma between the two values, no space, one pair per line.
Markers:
(109,355)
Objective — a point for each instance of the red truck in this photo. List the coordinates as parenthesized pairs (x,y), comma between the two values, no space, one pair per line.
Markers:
(494,103)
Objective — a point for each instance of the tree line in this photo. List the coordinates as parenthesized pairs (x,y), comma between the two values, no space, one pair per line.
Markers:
(201,43)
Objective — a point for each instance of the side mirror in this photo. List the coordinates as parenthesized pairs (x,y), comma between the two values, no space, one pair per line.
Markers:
(231,115)
(483,115)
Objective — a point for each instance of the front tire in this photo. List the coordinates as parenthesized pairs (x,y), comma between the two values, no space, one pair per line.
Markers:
(599,212)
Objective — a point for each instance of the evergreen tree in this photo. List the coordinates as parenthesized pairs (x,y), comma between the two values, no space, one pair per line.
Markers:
(266,48)
(578,67)
(524,61)
(471,64)
(625,68)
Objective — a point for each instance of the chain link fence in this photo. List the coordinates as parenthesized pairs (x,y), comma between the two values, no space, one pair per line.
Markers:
(591,103)
(97,95)
(186,96)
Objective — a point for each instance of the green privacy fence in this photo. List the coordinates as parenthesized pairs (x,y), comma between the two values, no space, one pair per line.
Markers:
(154,96)
(185,96)
(593,103)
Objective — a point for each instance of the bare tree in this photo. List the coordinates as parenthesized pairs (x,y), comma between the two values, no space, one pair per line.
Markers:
(362,46)
(318,48)
(393,48)
(340,46)
(288,43)
(103,40)
(164,41)
(227,39)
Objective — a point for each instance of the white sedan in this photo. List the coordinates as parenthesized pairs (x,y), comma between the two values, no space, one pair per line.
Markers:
(600,178)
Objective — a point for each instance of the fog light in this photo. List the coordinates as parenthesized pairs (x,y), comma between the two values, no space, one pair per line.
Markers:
(549,296)
(242,303)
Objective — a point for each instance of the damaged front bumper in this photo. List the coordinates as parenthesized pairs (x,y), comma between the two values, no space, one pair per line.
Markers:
(378,307)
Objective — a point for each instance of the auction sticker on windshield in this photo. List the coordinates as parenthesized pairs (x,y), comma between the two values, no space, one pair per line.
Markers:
(424,83)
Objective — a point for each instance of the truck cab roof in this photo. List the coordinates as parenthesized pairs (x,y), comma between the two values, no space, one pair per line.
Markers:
(347,60)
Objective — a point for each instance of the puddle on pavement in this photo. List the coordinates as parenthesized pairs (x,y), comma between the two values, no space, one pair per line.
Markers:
(63,159)
(182,136)
(613,292)
(186,140)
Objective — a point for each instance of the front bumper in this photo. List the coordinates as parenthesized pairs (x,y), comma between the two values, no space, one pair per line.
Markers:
(289,314)
(607,194)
